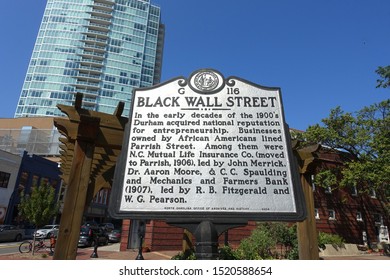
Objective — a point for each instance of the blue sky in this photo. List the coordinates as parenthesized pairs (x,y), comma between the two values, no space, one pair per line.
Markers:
(322,54)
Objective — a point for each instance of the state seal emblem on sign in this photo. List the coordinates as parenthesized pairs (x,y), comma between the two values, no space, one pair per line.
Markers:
(206,81)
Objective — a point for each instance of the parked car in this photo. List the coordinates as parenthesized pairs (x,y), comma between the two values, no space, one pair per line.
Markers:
(29,231)
(11,233)
(114,235)
(47,231)
(89,235)
(90,224)
(107,226)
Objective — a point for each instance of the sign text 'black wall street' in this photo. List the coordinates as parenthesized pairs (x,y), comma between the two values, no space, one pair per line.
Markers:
(207,147)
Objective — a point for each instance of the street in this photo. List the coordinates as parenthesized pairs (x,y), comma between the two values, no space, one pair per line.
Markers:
(9,248)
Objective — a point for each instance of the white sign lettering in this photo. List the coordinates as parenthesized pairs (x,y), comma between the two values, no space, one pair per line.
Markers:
(208,146)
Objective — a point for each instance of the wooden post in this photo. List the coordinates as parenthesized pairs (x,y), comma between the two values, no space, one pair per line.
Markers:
(187,245)
(75,202)
(307,230)
(90,145)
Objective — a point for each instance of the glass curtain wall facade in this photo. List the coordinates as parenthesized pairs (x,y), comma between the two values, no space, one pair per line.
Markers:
(101,48)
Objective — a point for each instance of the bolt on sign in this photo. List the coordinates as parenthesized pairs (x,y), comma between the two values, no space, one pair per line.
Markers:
(209,147)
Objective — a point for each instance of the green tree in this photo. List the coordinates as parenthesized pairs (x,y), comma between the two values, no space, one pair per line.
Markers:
(384,73)
(363,139)
(39,206)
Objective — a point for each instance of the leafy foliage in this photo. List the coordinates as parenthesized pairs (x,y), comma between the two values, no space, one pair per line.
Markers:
(384,73)
(39,206)
(270,240)
(187,255)
(326,179)
(227,253)
(328,238)
(363,141)
(257,246)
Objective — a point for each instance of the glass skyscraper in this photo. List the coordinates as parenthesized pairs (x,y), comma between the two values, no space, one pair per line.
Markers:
(101,48)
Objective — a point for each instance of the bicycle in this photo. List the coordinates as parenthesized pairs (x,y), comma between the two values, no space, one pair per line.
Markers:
(40,245)
(53,241)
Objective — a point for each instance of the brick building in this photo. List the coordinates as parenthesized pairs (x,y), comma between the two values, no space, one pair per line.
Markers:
(355,213)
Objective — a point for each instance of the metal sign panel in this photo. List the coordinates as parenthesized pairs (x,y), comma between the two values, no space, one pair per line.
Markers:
(207,147)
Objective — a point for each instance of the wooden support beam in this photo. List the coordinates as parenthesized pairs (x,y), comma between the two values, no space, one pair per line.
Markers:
(78,101)
(111,121)
(307,230)
(75,202)
(119,109)
(90,145)
(107,137)
(103,181)
(187,245)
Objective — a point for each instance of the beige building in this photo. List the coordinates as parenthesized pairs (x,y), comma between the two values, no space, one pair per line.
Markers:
(37,122)
(37,135)
(40,137)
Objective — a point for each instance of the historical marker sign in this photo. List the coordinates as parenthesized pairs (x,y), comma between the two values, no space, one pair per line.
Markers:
(207,147)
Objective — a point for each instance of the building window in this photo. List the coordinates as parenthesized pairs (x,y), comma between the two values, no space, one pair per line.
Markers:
(354,191)
(54,184)
(378,219)
(44,181)
(35,180)
(316,213)
(101,197)
(364,236)
(313,185)
(331,214)
(105,196)
(24,177)
(328,190)
(359,216)
(4,179)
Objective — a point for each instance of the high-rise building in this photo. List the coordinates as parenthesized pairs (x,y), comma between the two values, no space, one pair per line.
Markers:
(101,48)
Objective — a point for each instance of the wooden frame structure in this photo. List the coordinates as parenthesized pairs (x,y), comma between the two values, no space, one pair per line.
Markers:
(91,144)
(306,230)
(90,147)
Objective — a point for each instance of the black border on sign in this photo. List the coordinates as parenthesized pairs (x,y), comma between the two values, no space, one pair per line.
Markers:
(117,187)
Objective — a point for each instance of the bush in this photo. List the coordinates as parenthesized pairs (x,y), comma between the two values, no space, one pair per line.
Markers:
(261,244)
(187,255)
(286,238)
(257,246)
(271,240)
(328,238)
(227,253)
(224,253)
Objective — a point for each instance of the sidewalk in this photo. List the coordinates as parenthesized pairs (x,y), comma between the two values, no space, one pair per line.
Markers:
(106,253)
(362,256)
(111,252)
